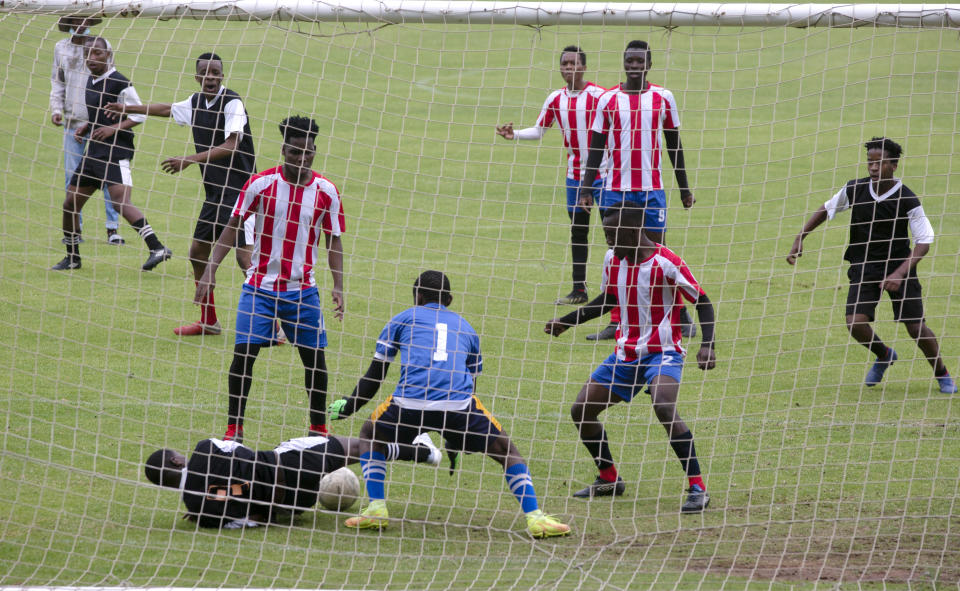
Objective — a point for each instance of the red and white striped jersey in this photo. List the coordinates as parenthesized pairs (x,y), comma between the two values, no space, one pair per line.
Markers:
(633,124)
(289,220)
(574,112)
(649,297)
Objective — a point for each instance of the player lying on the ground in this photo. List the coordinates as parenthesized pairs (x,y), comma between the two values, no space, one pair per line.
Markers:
(880,257)
(226,484)
(646,280)
(439,363)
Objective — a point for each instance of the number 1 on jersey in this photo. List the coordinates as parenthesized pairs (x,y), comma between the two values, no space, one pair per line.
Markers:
(441,353)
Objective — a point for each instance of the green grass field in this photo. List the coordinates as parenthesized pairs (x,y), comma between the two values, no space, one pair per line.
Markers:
(816,481)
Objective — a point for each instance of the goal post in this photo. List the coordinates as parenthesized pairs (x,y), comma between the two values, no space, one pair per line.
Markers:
(814,477)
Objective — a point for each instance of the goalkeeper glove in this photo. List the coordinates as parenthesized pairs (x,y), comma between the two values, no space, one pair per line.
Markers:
(337,410)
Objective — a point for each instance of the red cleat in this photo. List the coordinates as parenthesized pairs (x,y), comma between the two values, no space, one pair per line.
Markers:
(234,433)
(197,329)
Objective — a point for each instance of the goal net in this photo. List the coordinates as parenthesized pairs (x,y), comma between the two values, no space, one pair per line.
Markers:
(812,476)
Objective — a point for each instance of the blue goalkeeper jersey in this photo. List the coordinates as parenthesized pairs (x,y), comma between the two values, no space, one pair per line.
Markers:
(439,357)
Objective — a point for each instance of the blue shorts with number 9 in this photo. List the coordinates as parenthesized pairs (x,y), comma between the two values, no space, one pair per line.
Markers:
(654,204)
(626,378)
(298,312)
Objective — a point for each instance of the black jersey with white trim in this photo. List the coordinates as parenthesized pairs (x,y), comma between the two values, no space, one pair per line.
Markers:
(879,224)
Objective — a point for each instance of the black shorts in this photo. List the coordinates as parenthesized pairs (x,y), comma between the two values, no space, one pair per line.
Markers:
(303,469)
(213,218)
(472,429)
(865,291)
(93,172)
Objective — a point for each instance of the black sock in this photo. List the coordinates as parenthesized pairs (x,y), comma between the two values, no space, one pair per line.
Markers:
(599,450)
(683,446)
(239,381)
(146,232)
(315,382)
(72,242)
(579,250)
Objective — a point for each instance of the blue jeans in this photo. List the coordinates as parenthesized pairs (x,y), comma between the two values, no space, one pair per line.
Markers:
(72,155)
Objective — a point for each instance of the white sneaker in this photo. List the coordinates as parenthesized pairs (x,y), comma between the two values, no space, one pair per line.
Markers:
(435,454)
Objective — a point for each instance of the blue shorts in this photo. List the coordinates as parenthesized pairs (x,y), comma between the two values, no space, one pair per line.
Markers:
(654,205)
(573,192)
(298,312)
(626,378)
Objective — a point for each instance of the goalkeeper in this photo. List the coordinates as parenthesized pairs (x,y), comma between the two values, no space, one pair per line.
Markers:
(226,484)
(440,361)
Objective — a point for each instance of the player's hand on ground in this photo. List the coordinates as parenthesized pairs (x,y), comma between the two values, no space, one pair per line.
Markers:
(175,164)
(706,357)
(80,132)
(113,110)
(335,409)
(103,133)
(338,303)
(56,119)
(687,198)
(796,251)
(555,327)
(506,131)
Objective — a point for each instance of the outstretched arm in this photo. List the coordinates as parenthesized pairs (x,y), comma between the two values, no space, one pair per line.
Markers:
(366,388)
(706,357)
(600,305)
(675,152)
(796,251)
(218,152)
(117,110)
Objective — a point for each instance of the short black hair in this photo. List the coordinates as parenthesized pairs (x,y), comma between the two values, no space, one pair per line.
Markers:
(627,214)
(892,149)
(434,286)
(158,463)
(298,126)
(637,44)
(576,50)
(208,56)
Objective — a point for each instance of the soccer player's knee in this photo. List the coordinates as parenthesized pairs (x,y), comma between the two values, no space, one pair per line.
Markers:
(578,411)
(366,431)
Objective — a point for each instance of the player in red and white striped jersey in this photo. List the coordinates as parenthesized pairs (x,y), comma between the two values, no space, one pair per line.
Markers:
(572,108)
(293,206)
(634,120)
(646,281)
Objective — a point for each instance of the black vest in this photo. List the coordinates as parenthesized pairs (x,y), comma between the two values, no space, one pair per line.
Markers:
(119,146)
(879,230)
(226,177)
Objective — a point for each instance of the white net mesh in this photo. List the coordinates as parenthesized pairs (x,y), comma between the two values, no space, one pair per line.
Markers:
(812,476)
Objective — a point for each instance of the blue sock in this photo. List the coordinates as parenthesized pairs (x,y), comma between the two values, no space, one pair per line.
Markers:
(519,483)
(374,467)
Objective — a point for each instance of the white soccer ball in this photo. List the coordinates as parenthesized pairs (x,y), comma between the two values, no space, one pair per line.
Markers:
(339,489)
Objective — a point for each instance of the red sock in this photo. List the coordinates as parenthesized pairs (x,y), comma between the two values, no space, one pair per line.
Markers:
(211,310)
(232,430)
(322,429)
(609,474)
(698,480)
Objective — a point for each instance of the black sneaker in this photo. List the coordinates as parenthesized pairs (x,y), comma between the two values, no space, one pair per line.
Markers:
(156,257)
(608,333)
(697,500)
(574,298)
(602,488)
(114,238)
(68,263)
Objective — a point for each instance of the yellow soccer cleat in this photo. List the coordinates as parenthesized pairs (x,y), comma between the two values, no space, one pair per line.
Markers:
(541,525)
(375,516)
